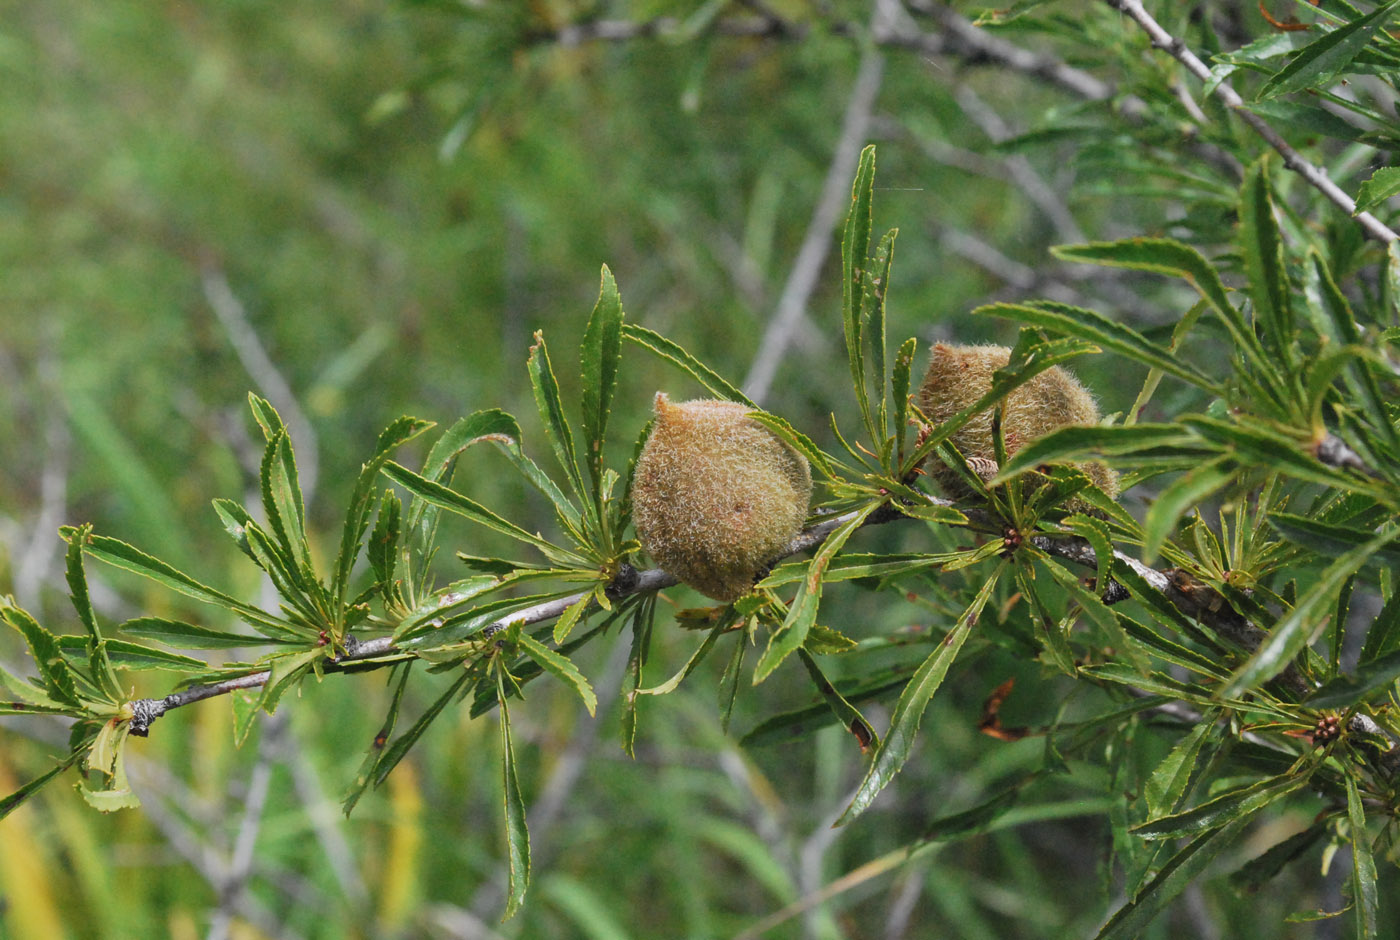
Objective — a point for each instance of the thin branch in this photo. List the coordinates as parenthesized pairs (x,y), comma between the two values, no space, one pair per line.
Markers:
(962,39)
(36,559)
(572,35)
(233,317)
(326,822)
(1334,452)
(233,886)
(802,280)
(1293,160)
(1018,168)
(1193,598)
(906,891)
(187,841)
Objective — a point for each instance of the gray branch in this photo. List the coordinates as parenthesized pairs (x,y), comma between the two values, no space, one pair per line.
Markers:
(802,280)
(233,317)
(1293,160)
(1191,597)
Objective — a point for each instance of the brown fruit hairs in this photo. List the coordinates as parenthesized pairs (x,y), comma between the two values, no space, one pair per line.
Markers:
(959,375)
(716,496)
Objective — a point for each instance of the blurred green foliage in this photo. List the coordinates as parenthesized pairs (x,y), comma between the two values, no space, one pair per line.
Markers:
(392,200)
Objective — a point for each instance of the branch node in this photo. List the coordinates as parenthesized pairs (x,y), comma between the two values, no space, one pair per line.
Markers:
(144,712)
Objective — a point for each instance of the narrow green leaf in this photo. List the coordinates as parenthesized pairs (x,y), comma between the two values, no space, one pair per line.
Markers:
(77,583)
(1326,538)
(786,727)
(286,514)
(729,680)
(1347,691)
(383,548)
(565,623)
(501,429)
(1391,282)
(1304,119)
(826,641)
(822,463)
(284,574)
(931,512)
(1333,318)
(696,369)
(551,409)
(673,683)
(1276,451)
(642,622)
(1262,251)
(123,654)
(44,648)
(601,353)
(874,285)
(400,432)
(99,664)
(267,417)
(121,555)
(803,612)
(1259,871)
(33,693)
(1292,633)
(370,764)
(1185,492)
(236,521)
(25,708)
(1052,635)
(561,667)
(846,714)
(1183,328)
(244,705)
(1147,443)
(1167,786)
(1180,871)
(517,836)
(1365,901)
(1103,332)
(855,255)
(192,636)
(979,818)
(421,519)
(908,713)
(1095,532)
(900,377)
(400,746)
(287,669)
(1383,637)
(1382,185)
(1322,60)
(13,801)
(1156,683)
(1236,804)
(1166,256)
(438,495)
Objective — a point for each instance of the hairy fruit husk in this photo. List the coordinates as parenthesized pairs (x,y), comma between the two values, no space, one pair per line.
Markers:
(959,375)
(716,496)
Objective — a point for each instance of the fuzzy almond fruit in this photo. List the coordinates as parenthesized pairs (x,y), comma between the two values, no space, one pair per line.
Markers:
(716,496)
(959,375)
